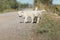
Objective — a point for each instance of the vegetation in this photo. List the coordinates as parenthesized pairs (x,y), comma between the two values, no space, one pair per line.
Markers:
(49,27)
(58,8)
(10,5)
(21,6)
(7,4)
(47,4)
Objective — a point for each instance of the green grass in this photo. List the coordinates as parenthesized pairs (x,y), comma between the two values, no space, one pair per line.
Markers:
(49,27)
(8,10)
(58,7)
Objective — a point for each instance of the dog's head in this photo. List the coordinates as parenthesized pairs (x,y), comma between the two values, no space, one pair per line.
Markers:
(20,13)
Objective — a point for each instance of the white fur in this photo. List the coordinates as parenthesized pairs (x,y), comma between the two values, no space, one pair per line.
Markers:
(31,14)
(20,13)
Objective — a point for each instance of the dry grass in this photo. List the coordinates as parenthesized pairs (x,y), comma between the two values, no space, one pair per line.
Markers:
(49,27)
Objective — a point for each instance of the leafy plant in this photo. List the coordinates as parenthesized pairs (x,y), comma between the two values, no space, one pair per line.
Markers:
(49,26)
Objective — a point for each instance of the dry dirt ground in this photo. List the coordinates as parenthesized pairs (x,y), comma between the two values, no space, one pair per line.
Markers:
(12,29)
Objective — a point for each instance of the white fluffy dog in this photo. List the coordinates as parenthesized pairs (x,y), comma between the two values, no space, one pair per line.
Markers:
(31,14)
(20,13)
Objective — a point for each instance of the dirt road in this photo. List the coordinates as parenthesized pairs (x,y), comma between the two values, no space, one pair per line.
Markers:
(12,29)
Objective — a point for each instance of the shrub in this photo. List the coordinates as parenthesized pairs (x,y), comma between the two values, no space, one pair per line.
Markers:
(49,27)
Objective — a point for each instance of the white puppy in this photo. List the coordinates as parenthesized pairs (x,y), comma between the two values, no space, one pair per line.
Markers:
(20,13)
(31,14)
(27,14)
(38,14)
